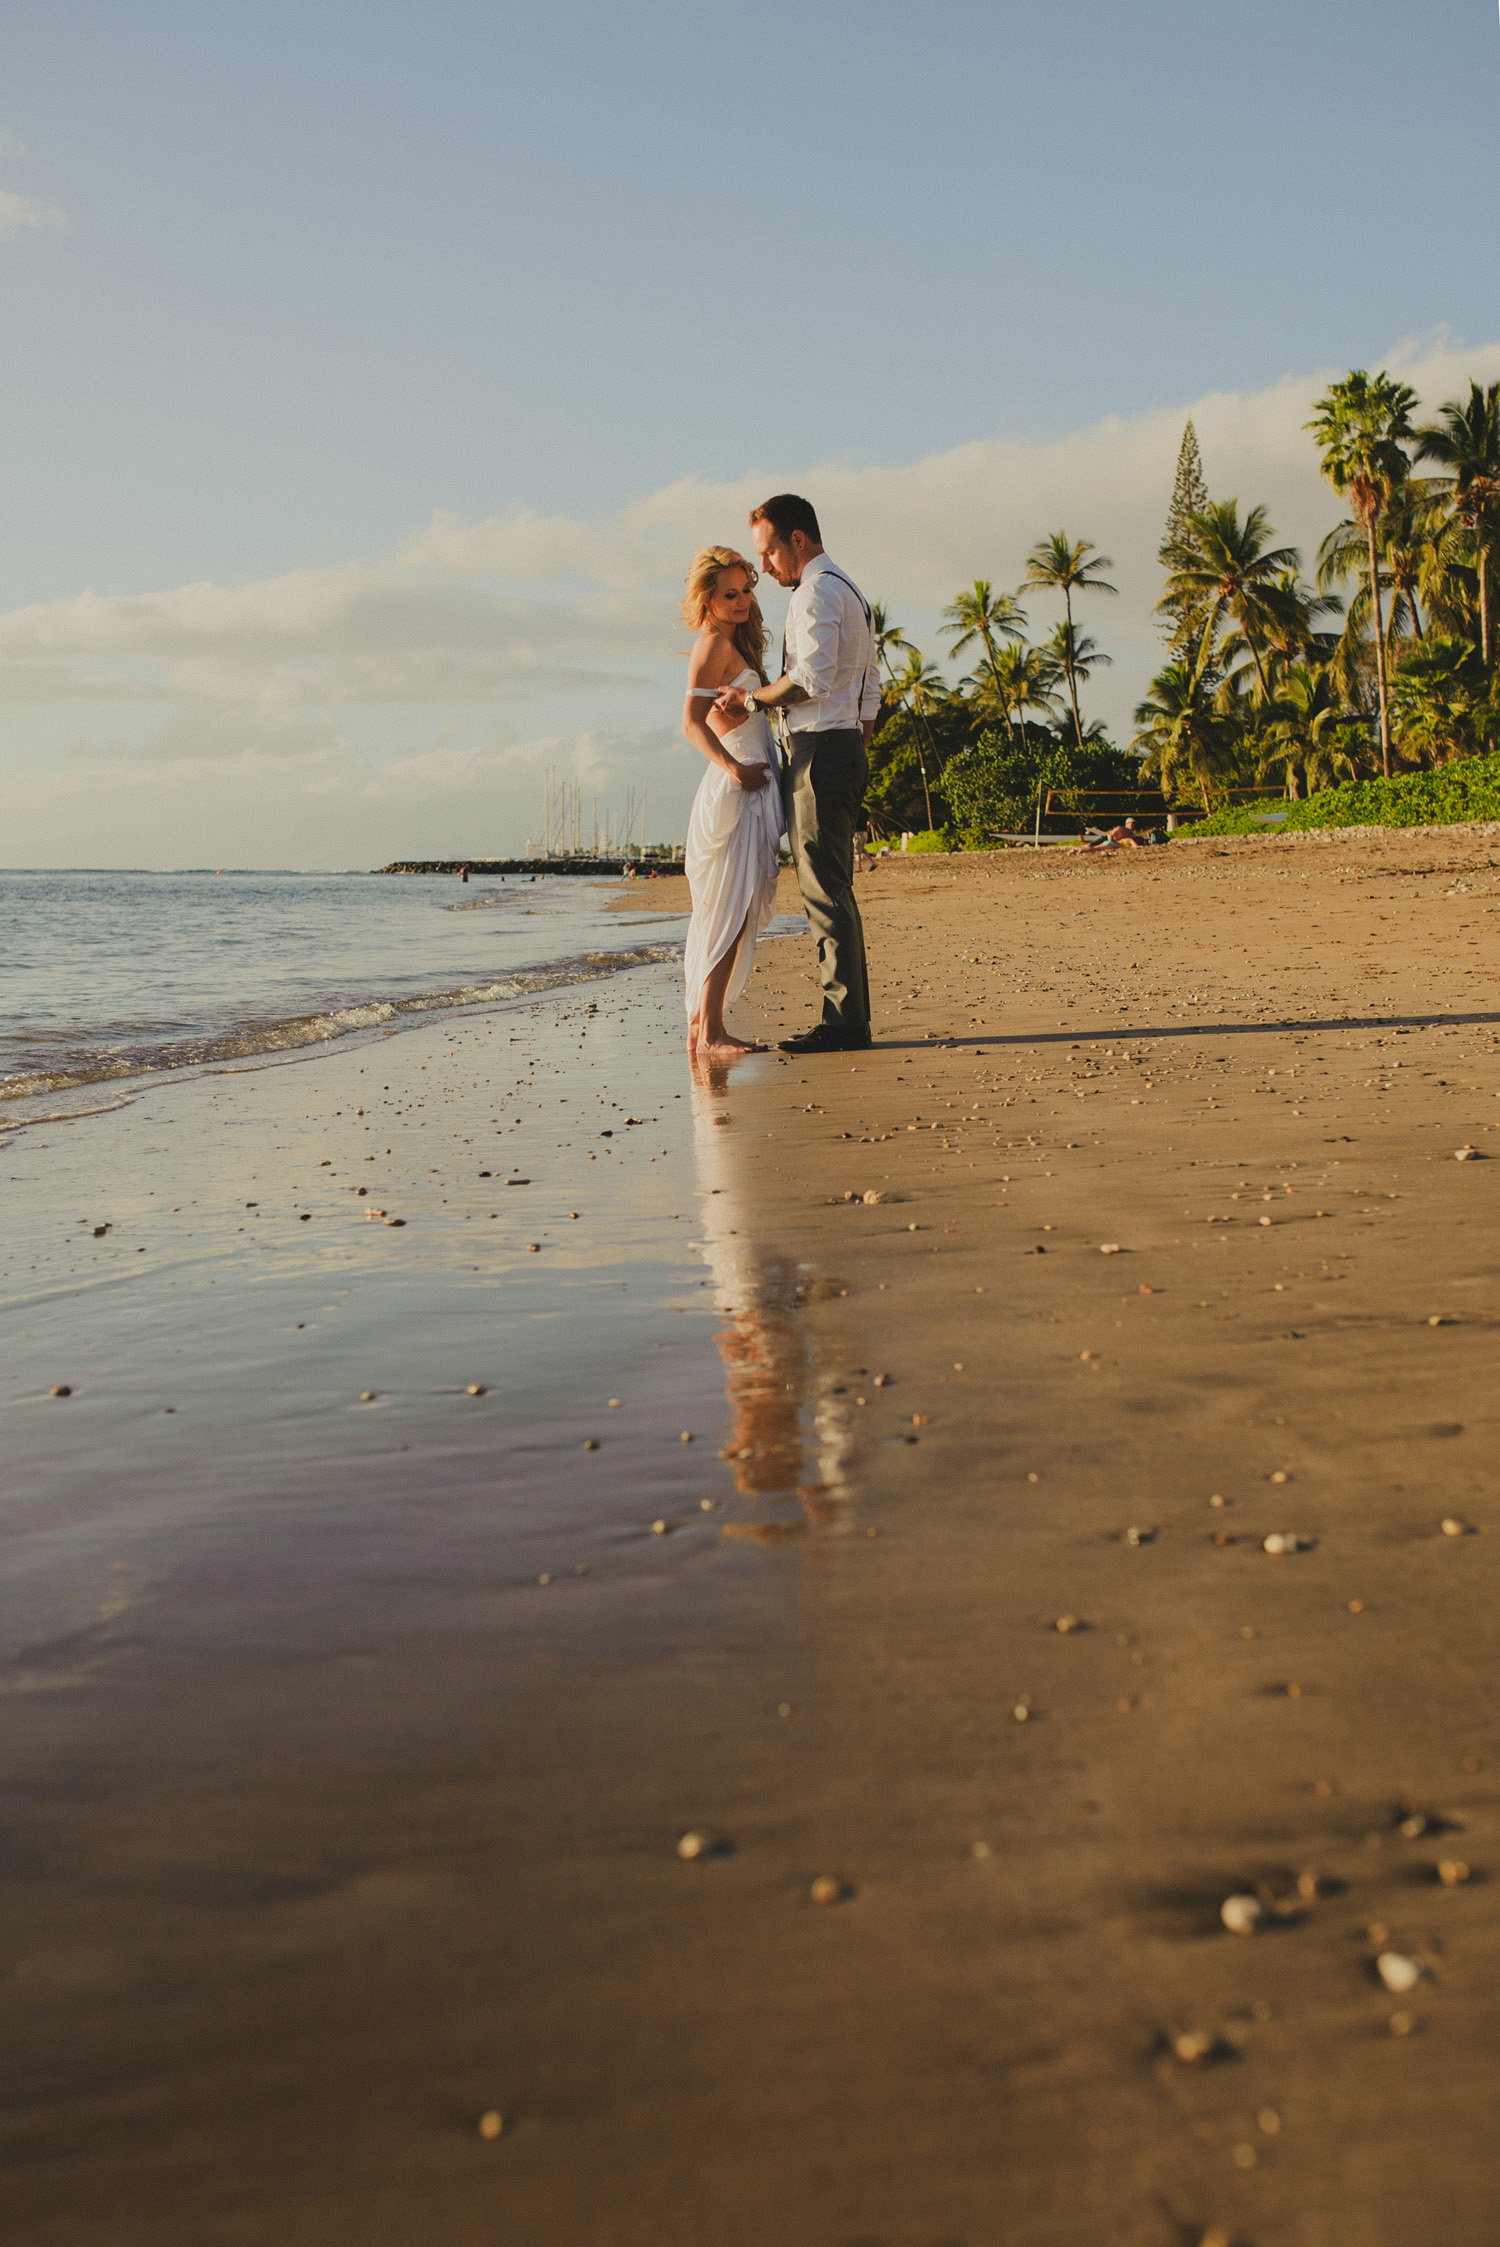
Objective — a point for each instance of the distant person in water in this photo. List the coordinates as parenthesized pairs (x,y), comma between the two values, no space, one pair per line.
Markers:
(828,698)
(735,826)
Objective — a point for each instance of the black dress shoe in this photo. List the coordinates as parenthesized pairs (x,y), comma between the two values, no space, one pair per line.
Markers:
(827,1038)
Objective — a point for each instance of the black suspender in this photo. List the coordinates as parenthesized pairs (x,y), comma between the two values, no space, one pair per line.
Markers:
(830,571)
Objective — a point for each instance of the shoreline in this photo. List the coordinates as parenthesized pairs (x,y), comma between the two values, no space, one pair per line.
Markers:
(336,1827)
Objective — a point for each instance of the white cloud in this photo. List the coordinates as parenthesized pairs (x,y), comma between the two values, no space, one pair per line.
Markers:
(362,634)
(521,608)
(915,533)
(18,212)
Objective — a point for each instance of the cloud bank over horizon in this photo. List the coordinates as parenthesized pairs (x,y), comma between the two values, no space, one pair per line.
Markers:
(409,703)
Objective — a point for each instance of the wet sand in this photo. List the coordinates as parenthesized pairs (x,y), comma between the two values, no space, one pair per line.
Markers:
(331,1827)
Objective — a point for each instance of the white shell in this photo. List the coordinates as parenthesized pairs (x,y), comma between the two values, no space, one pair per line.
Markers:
(695,1844)
(1241,1914)
(1283,1541)
(1140,1536)
(1398,1974)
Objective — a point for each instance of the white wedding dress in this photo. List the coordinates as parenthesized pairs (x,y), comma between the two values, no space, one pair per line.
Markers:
(732,840)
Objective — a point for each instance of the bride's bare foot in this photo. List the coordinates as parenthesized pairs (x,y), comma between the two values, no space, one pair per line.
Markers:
(724,1046)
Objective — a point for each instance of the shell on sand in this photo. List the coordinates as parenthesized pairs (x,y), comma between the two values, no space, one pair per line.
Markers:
(1241,1914)
(1398,1973)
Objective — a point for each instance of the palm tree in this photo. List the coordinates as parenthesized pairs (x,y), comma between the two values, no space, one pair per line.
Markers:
(1361,425)
(887,635)
(1061,567)
(1180,730)
(1467,441)
(1222,567)
(1309,726)
(1025,679)
(1073,655)
(982,615)
(920,686)
(1441,701)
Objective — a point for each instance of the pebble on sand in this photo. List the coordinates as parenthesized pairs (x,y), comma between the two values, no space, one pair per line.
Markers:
(1465,1154)
(491,2123)
(1241,1914)
(591,1443)
(1194,2045)
(1452,1872)
(1453,1527)
(1398,1973)
(697,1843)
(1140,1536)
(1066,1623)
(826,1889)
(1283,1541)
(62,1390)
(872,1198)
(1402,2024)
(367,1396)
(475,1389)
(1109,1248)
(686,1436)
(661,1529)
(1280,1475)
(533,1248)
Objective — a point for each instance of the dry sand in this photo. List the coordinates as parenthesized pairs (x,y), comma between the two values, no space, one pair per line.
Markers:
(371,1837)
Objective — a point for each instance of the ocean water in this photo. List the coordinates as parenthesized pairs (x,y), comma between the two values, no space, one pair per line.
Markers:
(111,975)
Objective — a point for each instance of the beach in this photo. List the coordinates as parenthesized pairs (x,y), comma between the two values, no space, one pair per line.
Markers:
(372,1635)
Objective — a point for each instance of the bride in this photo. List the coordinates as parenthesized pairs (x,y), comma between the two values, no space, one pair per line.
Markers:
(736,821)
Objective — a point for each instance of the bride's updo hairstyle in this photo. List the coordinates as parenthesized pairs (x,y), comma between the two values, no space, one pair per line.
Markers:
(702,583)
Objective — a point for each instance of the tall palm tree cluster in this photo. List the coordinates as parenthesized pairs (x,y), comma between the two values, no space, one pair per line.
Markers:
(1388,662)
(1023,692)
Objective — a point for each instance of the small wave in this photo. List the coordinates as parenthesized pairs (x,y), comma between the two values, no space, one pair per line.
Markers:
(298,1033)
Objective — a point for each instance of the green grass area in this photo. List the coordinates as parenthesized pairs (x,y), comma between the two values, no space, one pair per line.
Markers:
(1467,789)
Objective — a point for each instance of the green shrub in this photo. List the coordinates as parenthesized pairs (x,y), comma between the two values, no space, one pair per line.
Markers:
(931,838)
(1469,788)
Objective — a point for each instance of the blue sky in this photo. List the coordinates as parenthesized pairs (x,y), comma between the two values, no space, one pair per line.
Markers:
(372,366)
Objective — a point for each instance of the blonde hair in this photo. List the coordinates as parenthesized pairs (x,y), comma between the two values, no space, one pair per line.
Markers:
(702,583)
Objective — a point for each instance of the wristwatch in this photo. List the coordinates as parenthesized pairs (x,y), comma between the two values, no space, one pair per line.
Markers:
(751,703)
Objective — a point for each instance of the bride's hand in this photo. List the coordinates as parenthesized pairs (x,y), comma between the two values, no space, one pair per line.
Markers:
(751,777)
(731,703)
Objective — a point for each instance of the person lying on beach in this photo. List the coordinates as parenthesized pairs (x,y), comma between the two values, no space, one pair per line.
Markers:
(1096,839)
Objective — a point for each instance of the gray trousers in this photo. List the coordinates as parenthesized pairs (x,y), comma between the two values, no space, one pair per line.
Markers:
(823,789)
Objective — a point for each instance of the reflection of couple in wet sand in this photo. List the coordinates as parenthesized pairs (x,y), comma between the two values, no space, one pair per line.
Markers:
(826,696)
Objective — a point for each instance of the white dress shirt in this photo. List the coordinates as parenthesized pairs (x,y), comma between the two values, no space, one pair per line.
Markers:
(830,651)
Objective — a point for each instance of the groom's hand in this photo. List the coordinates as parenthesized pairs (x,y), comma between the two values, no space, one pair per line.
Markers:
(731,703)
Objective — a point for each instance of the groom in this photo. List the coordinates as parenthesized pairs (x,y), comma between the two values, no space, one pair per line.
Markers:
(828,696)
